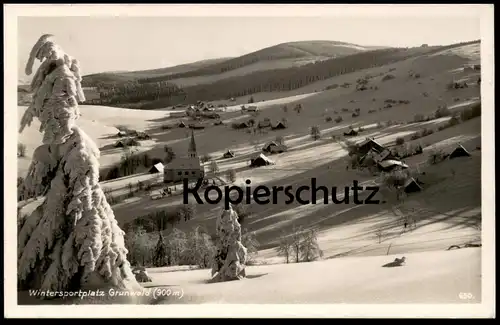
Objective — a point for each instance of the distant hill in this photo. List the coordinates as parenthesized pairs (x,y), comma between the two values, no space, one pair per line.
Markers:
(316,50)
(124,76)
(162,93)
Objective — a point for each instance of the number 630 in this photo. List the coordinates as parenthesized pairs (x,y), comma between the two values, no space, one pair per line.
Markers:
(465,295)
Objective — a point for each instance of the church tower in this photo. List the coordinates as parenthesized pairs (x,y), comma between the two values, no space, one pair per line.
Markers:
(192,147)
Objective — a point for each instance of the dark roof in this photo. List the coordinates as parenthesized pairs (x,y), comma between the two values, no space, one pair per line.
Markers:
(263,158)
(411,185)
(351,132)
(271,143)
(228,154)
(459,151)
(370,144)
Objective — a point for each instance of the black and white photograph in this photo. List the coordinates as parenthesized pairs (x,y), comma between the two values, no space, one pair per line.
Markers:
(194,156)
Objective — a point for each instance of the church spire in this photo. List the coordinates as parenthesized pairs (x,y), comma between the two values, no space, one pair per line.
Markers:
(192,146)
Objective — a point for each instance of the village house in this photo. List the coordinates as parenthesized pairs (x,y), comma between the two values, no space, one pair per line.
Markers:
(182,168)
(370,144)
(351,133)
(228,154)
(260,160)
(378,156)
(459,151)
(273,147)
(390,165)
(279,126)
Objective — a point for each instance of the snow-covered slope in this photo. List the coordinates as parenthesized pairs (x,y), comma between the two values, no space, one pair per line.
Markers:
(437,277)
(429,277)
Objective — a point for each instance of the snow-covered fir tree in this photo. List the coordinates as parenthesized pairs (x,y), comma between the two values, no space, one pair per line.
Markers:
(160,252)
(231,255)
(72,240)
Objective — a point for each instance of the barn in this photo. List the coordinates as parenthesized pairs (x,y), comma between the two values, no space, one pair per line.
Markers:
(228,154)
(412,186)
(260,161)
(370,144)
(279,126)
(459,151)
(273,147)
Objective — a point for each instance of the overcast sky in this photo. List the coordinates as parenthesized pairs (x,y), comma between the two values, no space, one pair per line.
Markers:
(136,43)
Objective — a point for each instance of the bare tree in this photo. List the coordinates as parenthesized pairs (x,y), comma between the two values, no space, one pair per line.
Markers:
(379,233)
(309,248)
(199,248)
(213,167)
(177,243)
(187,211)
(285,248)
(315,132)
(128,164)
(249,240)
(232,175)
(169,154)
(296,242)
(140,246)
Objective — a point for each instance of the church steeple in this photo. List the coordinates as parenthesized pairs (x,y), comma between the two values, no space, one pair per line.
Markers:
(192,147)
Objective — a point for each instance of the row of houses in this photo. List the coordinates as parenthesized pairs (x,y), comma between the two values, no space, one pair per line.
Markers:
(386,161)
(190,167)
(279,125)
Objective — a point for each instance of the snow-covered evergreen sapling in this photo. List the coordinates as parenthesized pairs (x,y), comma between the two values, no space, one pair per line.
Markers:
(72,240)
(231,255)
